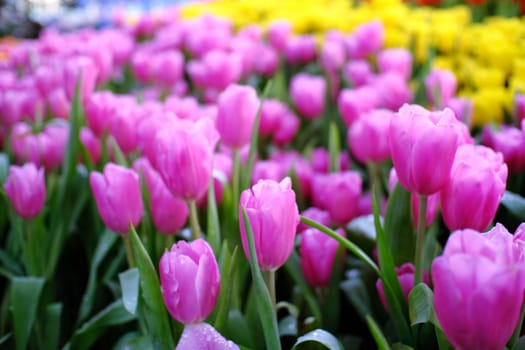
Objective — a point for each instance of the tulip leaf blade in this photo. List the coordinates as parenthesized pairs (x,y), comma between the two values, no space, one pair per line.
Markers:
(264,302)
(52,326)
(398,226)
(129,283)
(379,337)
(213,229)
(319,336)
(157,317)
(520,344)
(25,295)
(514,203)
(420,304)
(355,290)
(4,167)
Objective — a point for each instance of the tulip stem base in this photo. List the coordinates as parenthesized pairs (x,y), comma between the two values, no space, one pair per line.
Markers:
(269,279)
(420,239)
(194,220)
(129,251)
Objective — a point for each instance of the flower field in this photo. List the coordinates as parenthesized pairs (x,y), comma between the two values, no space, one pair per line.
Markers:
(267,175)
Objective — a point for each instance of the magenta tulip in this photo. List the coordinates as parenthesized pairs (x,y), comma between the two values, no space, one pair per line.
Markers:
(183,155)
(279,32)
(273,215)
(74,68)
(26,189)
(318,253)
(300,49)
(169,213)
(287,129)
(338,193)
(508,140)
(476,185)
(441,87)
(308,93)
(368,136)
(416,137)
(395,60)
(479,283)
(237,109)
(118,197)
(203,336)
(358,72)
(353,103)
(519,107)
(318,215)
(190,280)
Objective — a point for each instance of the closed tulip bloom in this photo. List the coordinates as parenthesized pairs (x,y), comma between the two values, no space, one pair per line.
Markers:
(338,193)
(368,136)
(100,108)
(273,215)
(25,145)
(463,109)
(203,336)
(169,213)
(353,103)
(321,160)
(300,49)
(395,60)
(415,138)
(74,67)
(332,56)
(272,111)
(26,189)
(318,252)
(368,38)
(168,67)
(358,72)
(510,142)
(308,94)
(393,90)
(474,190)
(286,130)
(279,32)
(59,104)
(441,87)
(237,109)
(267,170)
(118,197)
(267,60)
(53,142)
(123,127)
(183,155)
(319,215)
(190,280)
(478,288)
(519,107)
(91,143)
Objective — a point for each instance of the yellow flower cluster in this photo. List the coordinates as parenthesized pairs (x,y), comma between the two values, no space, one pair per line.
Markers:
(488,58)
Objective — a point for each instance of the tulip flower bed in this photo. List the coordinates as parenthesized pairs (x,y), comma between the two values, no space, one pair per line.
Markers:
(180,184)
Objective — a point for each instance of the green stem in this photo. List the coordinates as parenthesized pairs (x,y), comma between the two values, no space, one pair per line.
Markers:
(194,219)
(269,279)
(375,179)
(235,182)
(129,251)
(420,238)
(168,242)
(517,331)
(30,248)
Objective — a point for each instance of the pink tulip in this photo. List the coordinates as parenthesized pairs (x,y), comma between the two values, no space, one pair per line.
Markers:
(510,142)
(190,280)
(168,67)
(273,215)
(416,137)
(476,185)
(53,142)
(279,32)
(272,112)
(118,197)
(395,60)
(321,160)
(286,130)
(267,60)
(318,253)
(441,87)
(123,127)
(366,39)
(237,109)
(100,108)
(332,56)
(59,104)
(358,72)
(25,145)
(203,336)
(26,189)
(169,213)
(479,283)
(393,90)
(267,170)
(318,215)
(291,162)
(91,143)
(405,275)
(308,93)
(368,136)
(183,155)
(74,67)
(353,103)
(338,193)
(463,109)
(519,107)
(300,49)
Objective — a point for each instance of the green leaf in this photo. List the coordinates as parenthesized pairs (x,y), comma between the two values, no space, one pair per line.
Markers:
(382,343)
(4,167)
(520,344)
(105,243)
(334,147)
(228,267)
(399,346)
(52,326)
(332,305)
(5,338)
(514,203)
(355,290)
(117,152)
(264,302)
(112,315)
(420,304)
(158,321)
(129,282)
(392,288)
(398,228)
(288,326)
(213,231)
(133,341)
(237,329)
(319,336)
(25,295)
(293,268)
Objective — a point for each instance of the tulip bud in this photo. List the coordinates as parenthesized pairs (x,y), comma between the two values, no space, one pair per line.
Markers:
(368,136)
(478,288)
(510,142)
(190,280)
(26,189)
(308,94)
(414,138)
(273,215)
(395,60)
(441,87)
(315,214)
(237,109)
(279,33)
(353,103)
(118,197)
(476,185)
